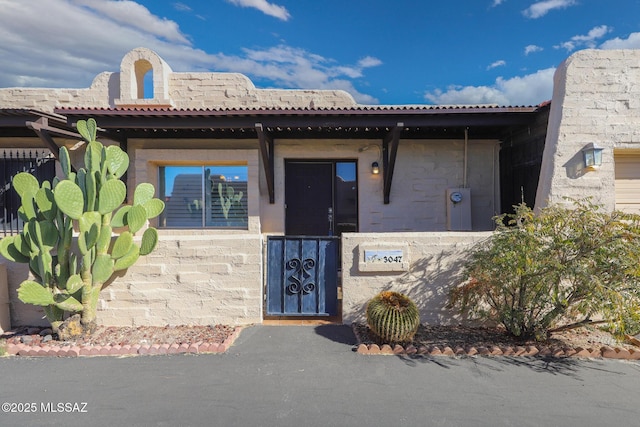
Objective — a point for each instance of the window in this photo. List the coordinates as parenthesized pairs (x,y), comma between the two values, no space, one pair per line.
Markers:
(204,196)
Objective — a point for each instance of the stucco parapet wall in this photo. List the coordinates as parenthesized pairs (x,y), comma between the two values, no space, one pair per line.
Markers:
(234,90)
(184,90)
(595,100)
(100,94)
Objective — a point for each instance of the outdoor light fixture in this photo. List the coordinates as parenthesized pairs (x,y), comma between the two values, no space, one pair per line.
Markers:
(375,168)
(592,156)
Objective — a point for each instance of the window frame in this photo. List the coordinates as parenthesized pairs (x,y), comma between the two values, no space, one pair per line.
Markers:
(205,221)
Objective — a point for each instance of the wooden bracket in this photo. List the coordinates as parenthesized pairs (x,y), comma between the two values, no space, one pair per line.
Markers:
(266,151)
(389,152)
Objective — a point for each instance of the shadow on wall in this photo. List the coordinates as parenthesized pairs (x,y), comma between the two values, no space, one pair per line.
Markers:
(574,167)
(428,283)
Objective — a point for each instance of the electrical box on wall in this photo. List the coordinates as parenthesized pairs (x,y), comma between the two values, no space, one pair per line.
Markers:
(459,209)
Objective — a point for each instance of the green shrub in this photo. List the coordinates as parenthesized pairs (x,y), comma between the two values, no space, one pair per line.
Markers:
(561,267)
(393,317)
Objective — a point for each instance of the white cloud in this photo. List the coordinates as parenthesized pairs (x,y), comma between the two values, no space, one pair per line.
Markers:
(586,40)
(541,8)
(78,39)
(499,63)
(135,16)
(531,89)
(265,7)
(532,48)
(369,61)
(182,7)
(296,68)
(631,42)
(497,3)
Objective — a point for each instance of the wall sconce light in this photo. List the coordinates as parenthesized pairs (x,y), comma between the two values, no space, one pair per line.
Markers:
(375,168)
(592,156)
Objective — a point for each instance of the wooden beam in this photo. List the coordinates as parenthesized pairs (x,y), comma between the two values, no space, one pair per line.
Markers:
(43,124)
(389,152)
(266,151)
(41,128)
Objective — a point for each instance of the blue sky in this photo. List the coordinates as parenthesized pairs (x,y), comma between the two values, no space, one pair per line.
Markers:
(382,52)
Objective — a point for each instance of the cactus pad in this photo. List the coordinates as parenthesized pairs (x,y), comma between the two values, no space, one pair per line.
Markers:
(149,241)
(112,194)
(25,182)
(31,292)
(117,161)
(143,193)
(69,198)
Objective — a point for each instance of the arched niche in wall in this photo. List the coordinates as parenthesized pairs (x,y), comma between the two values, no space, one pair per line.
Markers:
(135,66)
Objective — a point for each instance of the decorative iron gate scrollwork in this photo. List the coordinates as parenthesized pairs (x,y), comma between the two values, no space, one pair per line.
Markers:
(302,276)
(302,273)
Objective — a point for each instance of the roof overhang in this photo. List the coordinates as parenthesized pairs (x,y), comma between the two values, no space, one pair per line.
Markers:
(358,122)
(389,124)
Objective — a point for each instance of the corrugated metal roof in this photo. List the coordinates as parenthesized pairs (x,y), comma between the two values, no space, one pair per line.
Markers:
(359,109)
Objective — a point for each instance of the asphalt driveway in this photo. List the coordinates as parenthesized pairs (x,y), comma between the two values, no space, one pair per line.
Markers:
(308,376)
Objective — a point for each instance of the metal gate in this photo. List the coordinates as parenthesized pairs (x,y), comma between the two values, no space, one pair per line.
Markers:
(40,164)
(302,276)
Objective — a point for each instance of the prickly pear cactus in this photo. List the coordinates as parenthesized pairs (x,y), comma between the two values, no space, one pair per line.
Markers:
(228,198)
(70,270)
(393,317)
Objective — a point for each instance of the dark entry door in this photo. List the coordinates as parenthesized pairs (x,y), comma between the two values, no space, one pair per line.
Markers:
(302,271)
(309,198)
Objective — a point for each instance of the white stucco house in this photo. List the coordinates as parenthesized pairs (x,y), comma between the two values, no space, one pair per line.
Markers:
(336,200)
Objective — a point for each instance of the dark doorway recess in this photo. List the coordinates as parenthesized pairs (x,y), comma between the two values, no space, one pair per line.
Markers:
(321,197)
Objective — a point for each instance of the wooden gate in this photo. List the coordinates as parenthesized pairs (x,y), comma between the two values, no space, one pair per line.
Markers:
(302,276)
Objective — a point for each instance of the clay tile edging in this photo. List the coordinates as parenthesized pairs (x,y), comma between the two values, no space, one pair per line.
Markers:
(46,350)
(496,351)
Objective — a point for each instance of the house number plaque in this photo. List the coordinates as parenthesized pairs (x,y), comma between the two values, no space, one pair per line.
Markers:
(383,256)
(379,258)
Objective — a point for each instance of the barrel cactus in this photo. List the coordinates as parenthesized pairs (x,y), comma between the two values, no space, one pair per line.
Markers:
(393,317)
(71,267)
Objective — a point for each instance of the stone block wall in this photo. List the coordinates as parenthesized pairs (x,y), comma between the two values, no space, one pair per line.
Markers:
(189,280)
(434,266)
(424,170)
(596,99)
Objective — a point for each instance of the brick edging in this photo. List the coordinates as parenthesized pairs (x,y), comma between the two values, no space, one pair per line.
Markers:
(529,350)
(41,350)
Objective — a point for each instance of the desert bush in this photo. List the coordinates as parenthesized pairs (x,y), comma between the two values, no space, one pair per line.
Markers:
(559,268)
